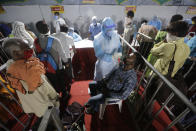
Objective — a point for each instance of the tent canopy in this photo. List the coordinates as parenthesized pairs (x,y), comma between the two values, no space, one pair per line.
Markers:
(100,2)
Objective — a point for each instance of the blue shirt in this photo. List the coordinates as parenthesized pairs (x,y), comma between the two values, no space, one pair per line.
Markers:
(94,30)
(75,36)
(122,83)
(156,23)
(192,44)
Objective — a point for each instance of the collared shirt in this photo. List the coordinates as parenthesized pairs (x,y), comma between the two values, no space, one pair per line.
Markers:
(122,83)
(94,30)
(66,42)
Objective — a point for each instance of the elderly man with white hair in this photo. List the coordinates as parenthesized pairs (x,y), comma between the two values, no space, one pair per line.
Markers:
(94,28)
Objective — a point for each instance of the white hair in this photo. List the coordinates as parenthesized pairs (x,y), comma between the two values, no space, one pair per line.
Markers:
(12,44)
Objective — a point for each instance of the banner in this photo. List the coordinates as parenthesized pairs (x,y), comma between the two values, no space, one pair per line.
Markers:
(59,1)
(131,7)
(88,1)
(57,8)
(120,1)
(2,11)
(11,1)
(160,2)
(191,10)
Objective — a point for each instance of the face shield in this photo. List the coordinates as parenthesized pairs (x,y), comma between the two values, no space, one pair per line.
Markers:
(108,27)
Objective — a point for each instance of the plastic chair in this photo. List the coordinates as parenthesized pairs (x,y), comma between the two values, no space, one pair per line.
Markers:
(109,101)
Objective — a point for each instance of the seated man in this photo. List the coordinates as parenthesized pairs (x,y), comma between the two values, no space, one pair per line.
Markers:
(118,84)
(26,75)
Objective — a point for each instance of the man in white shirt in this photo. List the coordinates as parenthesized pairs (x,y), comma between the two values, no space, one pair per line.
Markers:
(66,40)
(66,43)
(58,21)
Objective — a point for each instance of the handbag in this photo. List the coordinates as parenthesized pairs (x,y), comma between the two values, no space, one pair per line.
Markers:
(177,81)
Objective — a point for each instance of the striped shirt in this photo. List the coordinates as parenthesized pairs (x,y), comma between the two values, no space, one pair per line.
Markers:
(122,83)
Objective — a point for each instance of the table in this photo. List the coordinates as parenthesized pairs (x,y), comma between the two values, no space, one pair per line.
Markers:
(84,60)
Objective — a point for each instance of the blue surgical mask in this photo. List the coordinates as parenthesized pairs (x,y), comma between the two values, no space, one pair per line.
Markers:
(94,23)
(109,33)
(56,17)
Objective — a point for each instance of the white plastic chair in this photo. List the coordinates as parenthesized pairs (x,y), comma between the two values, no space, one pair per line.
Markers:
(109,101)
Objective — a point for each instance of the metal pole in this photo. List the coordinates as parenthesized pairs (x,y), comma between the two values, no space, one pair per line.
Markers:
(57,120)
(151,100)
(159,111)
(11,114)
(46,118)
(179,117)
(142,77)
(190,124)
(148,83)
(186,74)
(12,95)
(171,86)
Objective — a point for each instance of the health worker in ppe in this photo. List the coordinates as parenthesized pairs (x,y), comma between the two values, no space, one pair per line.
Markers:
(94,28)
(155,22)
(74,35)
(106,45)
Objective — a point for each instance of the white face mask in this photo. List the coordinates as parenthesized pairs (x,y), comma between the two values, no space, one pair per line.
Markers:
(127,20)
(170,37)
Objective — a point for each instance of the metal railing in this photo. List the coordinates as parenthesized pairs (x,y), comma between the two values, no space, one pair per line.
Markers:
(51,116)
(175,91)
(25,126)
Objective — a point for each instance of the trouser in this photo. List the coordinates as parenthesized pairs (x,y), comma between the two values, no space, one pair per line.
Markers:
(95,99)
(58,82)
(53,78)
(68,74)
